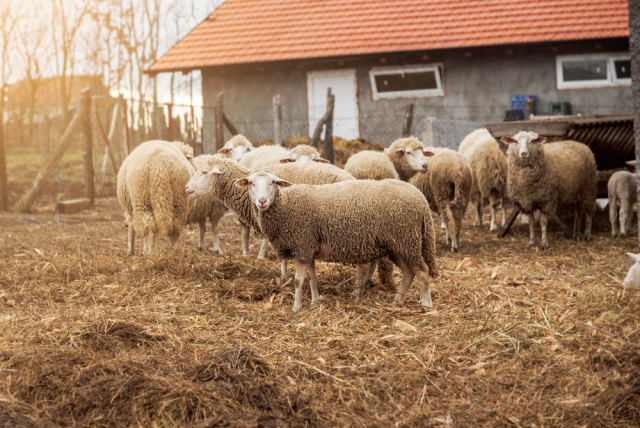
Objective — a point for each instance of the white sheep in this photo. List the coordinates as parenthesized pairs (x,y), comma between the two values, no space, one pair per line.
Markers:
(489,166)
(633,276)
(236,148)
(353,221)
(622,190)
(269,155)
(547,177)
(151,190)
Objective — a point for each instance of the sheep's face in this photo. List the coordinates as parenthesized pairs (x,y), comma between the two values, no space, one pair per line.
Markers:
(202,181)
(236,152)
(262,188)
(524,143)
(416,156)
(633,276)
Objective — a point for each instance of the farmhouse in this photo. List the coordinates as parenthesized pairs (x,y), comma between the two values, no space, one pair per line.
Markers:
(459,60)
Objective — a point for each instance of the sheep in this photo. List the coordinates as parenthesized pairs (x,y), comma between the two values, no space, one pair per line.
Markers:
(622,189)
(150,187)
(633,276)
(447,187)
(370,165)
(206,208)
(353,221)
(236,148)
(549,177)
(269,155)
(489,166)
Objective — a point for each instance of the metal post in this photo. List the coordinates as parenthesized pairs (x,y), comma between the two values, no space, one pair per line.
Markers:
(634,47)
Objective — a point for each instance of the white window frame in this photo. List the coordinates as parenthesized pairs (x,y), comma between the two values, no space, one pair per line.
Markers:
(422,93)
(611,81)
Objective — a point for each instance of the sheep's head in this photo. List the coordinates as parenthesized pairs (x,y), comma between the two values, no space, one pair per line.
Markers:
(524,143)
(236,147)
(633,276)
(262,187)
(303,154)
(186,150)
(413,151)
(206,177)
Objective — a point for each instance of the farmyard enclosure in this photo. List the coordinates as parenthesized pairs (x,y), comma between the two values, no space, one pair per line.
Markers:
(516,337)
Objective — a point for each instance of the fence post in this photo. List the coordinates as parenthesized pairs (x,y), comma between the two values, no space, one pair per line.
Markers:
(125,144)
(315,138)
(219,103)
(51,164)
(327,151)
(4,191)
(193,131)
(277,120)
(87,154)
(408,120)
(170,114)
(528,108)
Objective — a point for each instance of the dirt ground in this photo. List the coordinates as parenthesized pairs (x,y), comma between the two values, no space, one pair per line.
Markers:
(516,337)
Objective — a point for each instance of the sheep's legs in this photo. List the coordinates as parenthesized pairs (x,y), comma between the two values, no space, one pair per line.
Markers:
(132,240)
(577,223)
(494,203)
(245,240)
(445,222)
(214,231)
(263,248)
(629,218)
(407,277)
(372,269)
(361,278)
(149,243)
(504,216)
(385,273)
(283,271)
(544,243)
(202,228)
(587,228)
(425,288)
(301,272)
(457,221)
(313,283)
(532,229)
(625,217)
(613,217)
(479,213)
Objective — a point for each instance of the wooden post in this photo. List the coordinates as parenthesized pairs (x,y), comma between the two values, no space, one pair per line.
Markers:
(277,120)
(4,191)
(219,103)
(87,154)
(24,204)
(327,151)
(193,131)
(408,121)
(634,48)
(170,114)
(125,137)
(512,217)
(318,131)
(229,125)
(528,109)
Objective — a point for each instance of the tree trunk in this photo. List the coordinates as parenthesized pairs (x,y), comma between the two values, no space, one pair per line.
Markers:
(327,151)
(634,47)
(408,121)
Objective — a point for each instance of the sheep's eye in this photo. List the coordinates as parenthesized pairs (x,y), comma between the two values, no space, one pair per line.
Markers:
(205,172)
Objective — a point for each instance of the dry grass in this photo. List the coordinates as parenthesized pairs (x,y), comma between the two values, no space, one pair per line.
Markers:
(518,337)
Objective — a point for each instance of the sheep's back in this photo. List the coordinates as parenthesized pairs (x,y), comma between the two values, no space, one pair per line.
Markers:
(309,173)
(574,166)
(476,136)
(624,184)
(489,165)
(263,156)
(370,165)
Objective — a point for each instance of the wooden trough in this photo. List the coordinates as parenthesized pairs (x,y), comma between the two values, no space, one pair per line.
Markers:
(610,138)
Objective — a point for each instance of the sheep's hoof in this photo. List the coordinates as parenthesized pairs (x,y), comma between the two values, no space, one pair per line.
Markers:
(454,249)
(532,243)
(261,256)
(477,224)
(587,237)
(218,251)
(357,292)
(493,228)
(425,308)
(298,309)
(544,245)
(574,237)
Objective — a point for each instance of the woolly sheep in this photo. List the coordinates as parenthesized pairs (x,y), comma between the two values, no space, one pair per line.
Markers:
(353,221)
(447,187)
(370,165)
(236,148)
(548,177)
(633,276)
(623,192)
(206,208)
(489,166)
(269,155)
(151,191)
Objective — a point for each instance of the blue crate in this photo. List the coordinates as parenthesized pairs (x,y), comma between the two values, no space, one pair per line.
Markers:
(518,102)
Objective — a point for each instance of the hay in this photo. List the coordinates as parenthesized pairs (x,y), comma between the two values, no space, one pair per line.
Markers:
(518,337)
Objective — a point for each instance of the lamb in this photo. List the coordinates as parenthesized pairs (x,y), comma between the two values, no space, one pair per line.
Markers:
(407,155)
(489,166)
(269,155)
(206,208)
(236,148)
(353,221)
(549,177)
(447,187)
(623,191)
(633,276)
(151,191)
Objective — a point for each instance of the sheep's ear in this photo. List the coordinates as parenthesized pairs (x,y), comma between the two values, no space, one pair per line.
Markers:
(508,140)
(243,182)
(215,170)
(539,140)
(249,148)
(287,160)
(633,258)
(224,150)
(282,183)
(429,153)
(399,152)
(321,160)
(632,163)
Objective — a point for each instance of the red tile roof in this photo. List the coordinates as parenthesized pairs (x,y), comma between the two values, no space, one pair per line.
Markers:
(249,31)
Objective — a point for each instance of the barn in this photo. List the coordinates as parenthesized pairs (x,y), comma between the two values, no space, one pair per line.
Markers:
(461,63)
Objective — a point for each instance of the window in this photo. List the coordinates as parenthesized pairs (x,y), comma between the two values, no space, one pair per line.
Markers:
(414,81)
(593,71)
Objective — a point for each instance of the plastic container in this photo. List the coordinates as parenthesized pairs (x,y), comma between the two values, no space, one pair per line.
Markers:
(519,102)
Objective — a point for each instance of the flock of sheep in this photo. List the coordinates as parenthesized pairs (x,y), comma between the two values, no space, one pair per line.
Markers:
(374,213)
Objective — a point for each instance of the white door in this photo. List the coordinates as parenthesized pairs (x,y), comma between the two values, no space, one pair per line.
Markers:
(344,86)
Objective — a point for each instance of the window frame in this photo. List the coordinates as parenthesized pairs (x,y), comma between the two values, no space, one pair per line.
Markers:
(612,80)
(419,93)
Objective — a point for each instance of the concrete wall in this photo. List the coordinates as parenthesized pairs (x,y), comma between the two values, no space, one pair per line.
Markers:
(478,88)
